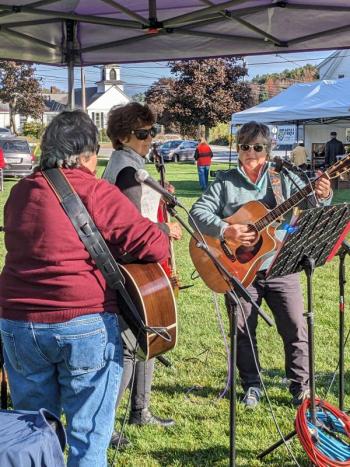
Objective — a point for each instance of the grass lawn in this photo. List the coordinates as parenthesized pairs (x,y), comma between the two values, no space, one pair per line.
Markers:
(189,390)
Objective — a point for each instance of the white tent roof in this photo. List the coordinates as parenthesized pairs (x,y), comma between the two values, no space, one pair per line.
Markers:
(305,101)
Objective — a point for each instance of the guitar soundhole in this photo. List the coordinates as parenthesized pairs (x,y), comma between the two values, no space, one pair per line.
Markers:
(244,254)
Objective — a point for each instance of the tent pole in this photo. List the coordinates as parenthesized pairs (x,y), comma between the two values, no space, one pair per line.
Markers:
(230,157)
(70,26)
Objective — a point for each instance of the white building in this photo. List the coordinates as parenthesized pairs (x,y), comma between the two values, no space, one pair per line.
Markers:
(108,92)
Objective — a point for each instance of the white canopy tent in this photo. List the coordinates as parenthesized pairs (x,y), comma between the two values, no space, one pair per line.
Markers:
(317,101)
(321,106)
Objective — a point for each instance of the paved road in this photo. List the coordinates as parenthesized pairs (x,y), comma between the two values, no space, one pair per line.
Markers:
(221,153)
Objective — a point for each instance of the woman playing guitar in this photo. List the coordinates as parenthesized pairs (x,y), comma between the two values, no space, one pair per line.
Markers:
(223,213)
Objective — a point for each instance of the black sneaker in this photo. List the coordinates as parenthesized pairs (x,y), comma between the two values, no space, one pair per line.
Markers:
(299,397)
(118,441)
(145,417)
(252,397)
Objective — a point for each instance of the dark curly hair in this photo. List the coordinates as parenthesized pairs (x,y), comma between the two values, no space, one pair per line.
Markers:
(69,135)
(122,119)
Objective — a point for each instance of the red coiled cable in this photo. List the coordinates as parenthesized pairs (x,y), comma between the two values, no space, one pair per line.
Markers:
(305,435)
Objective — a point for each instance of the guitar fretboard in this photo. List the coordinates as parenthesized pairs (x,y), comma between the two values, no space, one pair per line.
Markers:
(284,207)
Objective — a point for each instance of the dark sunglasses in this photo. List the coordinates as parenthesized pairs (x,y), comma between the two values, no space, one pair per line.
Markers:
(142,133)
(257,147)
(97,149)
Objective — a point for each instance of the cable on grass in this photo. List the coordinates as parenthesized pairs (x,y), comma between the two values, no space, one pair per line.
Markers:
(322,443)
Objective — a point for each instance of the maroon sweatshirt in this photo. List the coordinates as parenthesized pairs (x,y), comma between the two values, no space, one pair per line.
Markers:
(48,274)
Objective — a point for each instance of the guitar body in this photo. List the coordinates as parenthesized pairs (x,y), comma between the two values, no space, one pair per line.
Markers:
(241,262)
(152,294)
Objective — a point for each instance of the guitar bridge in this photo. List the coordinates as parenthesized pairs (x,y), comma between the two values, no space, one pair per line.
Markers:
(227,250)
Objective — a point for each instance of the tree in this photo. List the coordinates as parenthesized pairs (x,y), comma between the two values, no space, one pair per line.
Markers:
(21,90)
(158,97)
(273,83)
(138,97)
(206,92)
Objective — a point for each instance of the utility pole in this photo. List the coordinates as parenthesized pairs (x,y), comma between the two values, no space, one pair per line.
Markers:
(83,93)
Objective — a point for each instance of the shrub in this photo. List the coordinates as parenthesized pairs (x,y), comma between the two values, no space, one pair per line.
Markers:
(33,129)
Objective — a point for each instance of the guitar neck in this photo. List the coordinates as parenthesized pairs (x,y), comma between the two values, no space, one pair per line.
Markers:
(284,207)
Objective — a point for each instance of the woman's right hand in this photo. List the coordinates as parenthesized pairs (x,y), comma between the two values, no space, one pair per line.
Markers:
(240,233)
(175,230)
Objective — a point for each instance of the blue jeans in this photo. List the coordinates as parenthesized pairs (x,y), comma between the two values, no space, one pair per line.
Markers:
(75,366)
(203,174)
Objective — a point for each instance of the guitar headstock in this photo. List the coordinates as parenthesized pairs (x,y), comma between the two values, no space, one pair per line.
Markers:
(339,168)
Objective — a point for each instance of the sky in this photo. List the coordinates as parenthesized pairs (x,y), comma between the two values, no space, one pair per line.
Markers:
(139,76)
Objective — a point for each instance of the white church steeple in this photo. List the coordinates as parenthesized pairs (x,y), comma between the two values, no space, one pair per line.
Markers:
(110,76)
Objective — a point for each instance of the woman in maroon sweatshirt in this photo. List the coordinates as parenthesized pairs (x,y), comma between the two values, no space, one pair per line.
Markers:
(62,344)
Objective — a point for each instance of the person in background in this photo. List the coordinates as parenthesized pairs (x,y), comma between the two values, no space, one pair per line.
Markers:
(252,181)
(203,155)
(299,155)
(130,128)
(59,324)
(333,148)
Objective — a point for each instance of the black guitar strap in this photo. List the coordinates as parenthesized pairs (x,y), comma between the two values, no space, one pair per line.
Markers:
(96,246)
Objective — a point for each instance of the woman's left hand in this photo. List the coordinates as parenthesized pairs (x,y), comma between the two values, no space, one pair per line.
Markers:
(323,187)
(169,187)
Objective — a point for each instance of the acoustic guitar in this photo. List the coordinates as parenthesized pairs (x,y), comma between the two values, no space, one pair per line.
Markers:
(152,294)
(244,262)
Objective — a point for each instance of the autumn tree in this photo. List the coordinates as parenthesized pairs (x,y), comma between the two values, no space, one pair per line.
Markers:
(159,97)
(21,90)
(271,84)
(206,92)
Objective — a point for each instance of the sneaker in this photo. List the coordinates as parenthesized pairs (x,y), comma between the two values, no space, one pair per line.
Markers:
(300,396)
(145,417)
(252,397)
(118,441)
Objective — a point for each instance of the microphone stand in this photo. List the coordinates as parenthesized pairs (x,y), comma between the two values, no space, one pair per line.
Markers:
(237,290)
(343,251)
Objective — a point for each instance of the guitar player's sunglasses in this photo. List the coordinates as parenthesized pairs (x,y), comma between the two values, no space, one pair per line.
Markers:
(142,133)
(257,147)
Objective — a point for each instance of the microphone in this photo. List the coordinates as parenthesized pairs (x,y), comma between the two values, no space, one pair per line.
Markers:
(142,176)
(280,164)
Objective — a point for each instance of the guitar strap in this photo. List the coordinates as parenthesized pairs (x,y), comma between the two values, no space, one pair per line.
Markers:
(275,179)
(96,246)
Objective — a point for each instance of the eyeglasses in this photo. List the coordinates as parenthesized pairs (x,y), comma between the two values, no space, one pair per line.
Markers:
(257,147)
(97,149)
(142,133)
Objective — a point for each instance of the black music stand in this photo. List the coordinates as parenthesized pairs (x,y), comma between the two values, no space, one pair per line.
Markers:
(311,237)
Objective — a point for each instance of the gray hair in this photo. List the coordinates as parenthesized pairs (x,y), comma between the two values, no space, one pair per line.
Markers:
(70,135)
(251,130)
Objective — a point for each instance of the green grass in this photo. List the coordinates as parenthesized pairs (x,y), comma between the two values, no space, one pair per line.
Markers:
(188,391)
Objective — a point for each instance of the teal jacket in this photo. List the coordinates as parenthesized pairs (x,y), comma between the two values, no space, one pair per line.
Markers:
(232,189)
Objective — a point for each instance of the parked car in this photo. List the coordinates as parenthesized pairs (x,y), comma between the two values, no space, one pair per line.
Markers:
(184,152)
(166,148)
(282,150)
(4,132)
(19,160)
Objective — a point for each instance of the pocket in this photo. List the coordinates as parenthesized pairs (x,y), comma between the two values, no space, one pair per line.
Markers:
(83,353)
(9,344)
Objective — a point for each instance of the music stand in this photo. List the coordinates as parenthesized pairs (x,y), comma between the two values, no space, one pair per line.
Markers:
(311,237)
